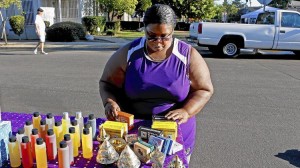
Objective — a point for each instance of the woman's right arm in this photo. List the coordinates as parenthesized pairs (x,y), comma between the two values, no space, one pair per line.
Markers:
(112,80)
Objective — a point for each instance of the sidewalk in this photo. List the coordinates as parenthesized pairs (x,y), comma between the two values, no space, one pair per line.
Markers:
(100,42)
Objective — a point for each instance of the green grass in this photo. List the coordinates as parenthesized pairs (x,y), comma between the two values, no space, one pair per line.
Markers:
(130,35)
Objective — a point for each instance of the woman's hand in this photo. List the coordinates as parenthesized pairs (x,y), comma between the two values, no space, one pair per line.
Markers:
(179,114)
(111,110)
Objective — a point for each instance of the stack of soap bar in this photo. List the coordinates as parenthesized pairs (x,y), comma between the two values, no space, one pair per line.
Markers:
(169,128)
(126,118)
(145,133)
(115,129)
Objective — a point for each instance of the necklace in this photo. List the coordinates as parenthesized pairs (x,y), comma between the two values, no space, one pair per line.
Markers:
(153,59)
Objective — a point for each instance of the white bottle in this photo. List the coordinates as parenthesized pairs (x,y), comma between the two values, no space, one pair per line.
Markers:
(49,121)
(28,128)
(79,119)
(92,121)
(68,140)
(65,122)
(19,137)
(63,155)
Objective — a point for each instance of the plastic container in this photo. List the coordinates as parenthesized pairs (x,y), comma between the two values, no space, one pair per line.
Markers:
(88,125)
(79,119)
(73,138)
(58,131)
(87,144)
(41,156)
(92,121)
(27,161)
(14,152)
(77,132)
(63,155)
(28,128)
(49,121)
(43,130)
(65,123)
(34,135)
(51,145)
(67,138)
(36,119)
(19,137)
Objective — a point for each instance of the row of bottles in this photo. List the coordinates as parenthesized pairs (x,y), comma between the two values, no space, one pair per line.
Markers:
(29,141)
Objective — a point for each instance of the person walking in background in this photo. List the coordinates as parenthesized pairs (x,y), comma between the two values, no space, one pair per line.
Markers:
(40,28)
(158,75)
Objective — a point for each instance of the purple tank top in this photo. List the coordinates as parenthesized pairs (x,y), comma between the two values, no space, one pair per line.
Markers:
(158,87)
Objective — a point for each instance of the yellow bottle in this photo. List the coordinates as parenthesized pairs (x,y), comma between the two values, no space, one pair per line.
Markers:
(73,139)
(87,144)
(75,124)
(36,119)
(41,155)
(65,123)
(58,131)
(14,152)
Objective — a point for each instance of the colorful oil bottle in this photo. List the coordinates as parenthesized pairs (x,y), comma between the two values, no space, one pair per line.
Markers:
(67,138)
(79,119)
(63,155)
(27,161)
(58,131)
(34,135)
(77,132)
(92,121)
(49,121)
(14,152)
(36,119)
(65,123)
(43,130)
(41,156)
(28,128)
(87,144)
(73,138)
(51,145)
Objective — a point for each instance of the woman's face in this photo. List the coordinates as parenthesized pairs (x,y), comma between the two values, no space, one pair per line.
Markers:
(159,36)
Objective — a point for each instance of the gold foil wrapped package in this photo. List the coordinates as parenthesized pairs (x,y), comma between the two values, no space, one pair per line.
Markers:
(102,134)
(107,154)
(176,163)
(157,158)
(128,159)
(118,143)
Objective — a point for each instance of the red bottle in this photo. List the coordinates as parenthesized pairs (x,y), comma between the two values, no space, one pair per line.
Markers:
(34,135)
(51,145)
(27,160)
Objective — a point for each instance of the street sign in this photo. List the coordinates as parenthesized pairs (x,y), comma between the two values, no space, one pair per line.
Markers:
(264,2)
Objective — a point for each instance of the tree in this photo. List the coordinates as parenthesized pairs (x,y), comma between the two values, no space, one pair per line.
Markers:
(229,9)
(141,7)
(283,4)
(4,4)
(117,8)
(202,9)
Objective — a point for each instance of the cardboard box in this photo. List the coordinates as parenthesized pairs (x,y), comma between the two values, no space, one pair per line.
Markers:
(115,131)
(116,123)
(5,133)
(169,128)
(142,152)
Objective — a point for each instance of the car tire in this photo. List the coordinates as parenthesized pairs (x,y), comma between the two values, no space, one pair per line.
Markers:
(230,49)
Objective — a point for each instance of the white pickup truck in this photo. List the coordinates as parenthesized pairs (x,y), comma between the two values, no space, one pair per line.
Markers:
(279,30)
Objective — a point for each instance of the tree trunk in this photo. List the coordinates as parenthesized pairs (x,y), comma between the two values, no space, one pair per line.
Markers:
(3,24)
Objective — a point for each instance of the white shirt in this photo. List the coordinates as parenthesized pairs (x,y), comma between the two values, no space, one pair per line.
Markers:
(41,24)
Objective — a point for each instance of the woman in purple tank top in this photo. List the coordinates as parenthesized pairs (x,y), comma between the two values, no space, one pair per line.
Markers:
(158,74)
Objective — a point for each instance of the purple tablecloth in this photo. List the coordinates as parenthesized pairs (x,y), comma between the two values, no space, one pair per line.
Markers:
(18,121)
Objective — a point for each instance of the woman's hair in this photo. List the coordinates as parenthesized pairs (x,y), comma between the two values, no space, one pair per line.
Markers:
(161,14)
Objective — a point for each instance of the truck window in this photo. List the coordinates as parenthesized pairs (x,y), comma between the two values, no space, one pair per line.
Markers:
(289,19)
(265,18)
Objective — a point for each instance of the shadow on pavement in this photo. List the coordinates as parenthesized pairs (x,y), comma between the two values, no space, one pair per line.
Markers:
(292,156)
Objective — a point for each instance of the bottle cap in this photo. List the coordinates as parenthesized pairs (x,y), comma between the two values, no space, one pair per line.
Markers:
(87,124)
(39,141)
(65,115)
(50,132)
(57,123)
(78,114)
(25,139)
(36,114)
(21,130)
(63,144)
(72,130)
(35,131)
(49,115)
(28,122)
(74,122)
(43,122)
(12,138)
(91,116)
(86,131)
(67,137)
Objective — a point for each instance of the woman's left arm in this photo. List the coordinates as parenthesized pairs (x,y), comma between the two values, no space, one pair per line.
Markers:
(200,92)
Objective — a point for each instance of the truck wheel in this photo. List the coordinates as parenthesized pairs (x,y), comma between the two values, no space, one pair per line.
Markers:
(215,49)
(230,49)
